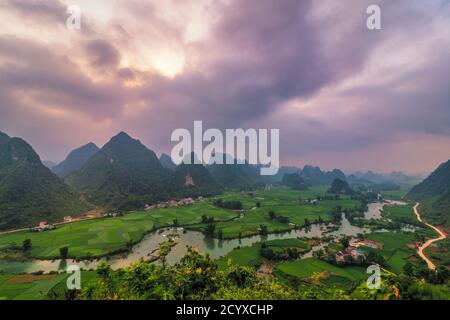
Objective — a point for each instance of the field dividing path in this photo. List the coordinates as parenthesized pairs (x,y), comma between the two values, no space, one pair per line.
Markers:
(420,250)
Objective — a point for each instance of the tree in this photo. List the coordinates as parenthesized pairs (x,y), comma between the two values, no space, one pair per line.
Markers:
(104,270)
(258,204)
(64,252)
(220,234)
(26,245)
(345,241)
(408,269)
(442,274)
(267,253)
(209,229)
(282,219)
(263,230)
(175,222)
(271,215)
(374,257)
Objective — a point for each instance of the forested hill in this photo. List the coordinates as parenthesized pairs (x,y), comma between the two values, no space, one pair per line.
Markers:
(29,191)
(434,195)
(75,160)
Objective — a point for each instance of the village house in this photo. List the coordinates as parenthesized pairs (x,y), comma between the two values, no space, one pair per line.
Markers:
(170,204)
(68,219)
(43,226)
(366,243)
(350,254)
(373,244)
(114,214)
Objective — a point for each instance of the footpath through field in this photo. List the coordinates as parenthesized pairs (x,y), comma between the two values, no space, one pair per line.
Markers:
(420,250)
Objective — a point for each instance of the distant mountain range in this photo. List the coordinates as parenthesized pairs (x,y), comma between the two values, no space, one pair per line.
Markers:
(49,164)
(340,186)
(29,191)
(234,176)
(393,177)
(434,195)
(124,174)
(166,162)
(294,181)
(75,160)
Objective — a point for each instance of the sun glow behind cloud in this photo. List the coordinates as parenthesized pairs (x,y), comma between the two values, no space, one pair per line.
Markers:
(310,68)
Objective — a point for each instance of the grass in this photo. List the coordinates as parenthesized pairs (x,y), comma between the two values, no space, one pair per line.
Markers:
(58,292)
(38,287)
(284,202)
(28,287)
(244,256)
(250,256)
(402,214)
(341,277)
(395,250)
(99,237)
(441,253)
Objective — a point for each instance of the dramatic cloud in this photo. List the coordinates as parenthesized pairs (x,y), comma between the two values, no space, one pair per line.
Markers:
(342,95)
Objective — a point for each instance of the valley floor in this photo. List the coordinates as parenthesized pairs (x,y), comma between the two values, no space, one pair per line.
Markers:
(298,264)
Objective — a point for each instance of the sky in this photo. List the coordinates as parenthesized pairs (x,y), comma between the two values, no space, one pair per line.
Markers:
(343,96)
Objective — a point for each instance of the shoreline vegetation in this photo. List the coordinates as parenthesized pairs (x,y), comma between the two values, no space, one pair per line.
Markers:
(175,217)
(298,267)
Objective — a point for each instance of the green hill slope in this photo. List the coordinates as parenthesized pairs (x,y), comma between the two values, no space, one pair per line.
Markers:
(434,195)
(29,191)
(75,160)
(124,174)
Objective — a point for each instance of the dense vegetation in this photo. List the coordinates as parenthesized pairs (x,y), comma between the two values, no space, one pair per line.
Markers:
(29,192)
(340,186)
(198,277)
(434,195)
(126,175)
(75,160)
(235,176)
(294,181)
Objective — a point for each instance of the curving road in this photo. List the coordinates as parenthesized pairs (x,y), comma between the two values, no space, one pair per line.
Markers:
(420,250)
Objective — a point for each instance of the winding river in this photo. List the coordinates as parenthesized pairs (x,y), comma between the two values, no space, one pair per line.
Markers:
(185,238)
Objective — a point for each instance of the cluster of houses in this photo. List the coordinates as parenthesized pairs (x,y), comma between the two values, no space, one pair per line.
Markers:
(353,252)
(43,226)
(170,204)
(114,214)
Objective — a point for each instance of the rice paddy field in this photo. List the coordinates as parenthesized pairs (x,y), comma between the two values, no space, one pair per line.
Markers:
(103,236)
(27,287)
(395,250)
(320,272)
(403,214)
(284,202)
(38,287)
(99,237)
(250,256)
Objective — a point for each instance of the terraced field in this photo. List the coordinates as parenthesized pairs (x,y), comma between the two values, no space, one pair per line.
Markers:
(38,287)
(315,270)
(28,287)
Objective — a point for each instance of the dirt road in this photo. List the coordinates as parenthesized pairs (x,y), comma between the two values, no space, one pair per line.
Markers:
(420,250)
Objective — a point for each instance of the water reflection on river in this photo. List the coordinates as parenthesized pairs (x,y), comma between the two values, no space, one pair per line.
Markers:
(184,238)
